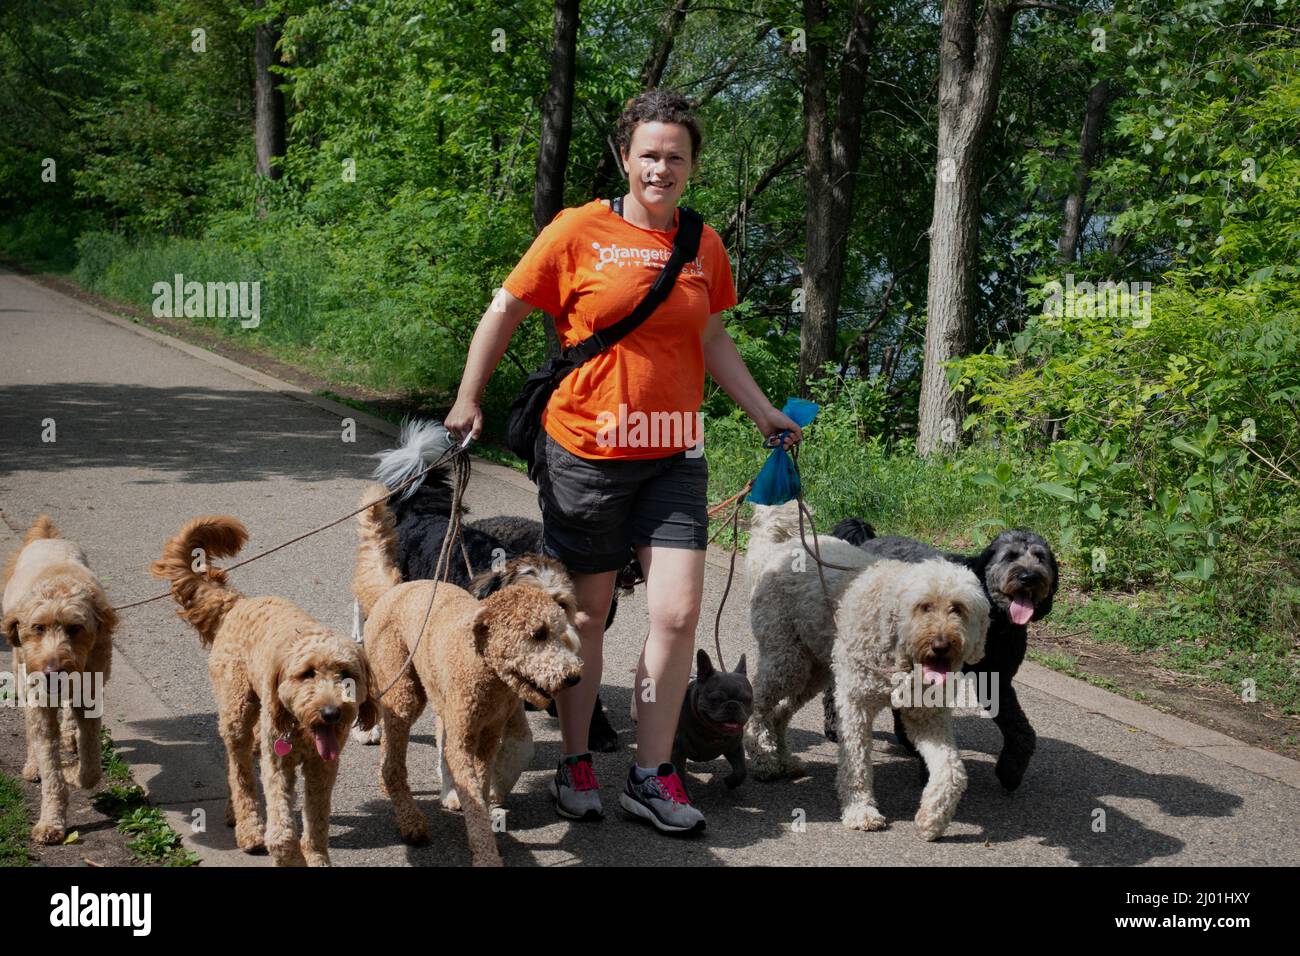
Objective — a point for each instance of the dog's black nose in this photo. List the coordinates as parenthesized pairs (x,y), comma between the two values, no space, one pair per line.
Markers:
(330,714)
(939,644)
(1029,577)
(572,681)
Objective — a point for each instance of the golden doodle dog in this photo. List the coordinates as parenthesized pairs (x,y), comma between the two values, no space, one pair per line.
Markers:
(60,624)
(897,619)
(284,685)
(475,662)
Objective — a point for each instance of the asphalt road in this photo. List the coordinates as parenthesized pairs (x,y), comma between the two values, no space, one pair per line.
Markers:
(150,433)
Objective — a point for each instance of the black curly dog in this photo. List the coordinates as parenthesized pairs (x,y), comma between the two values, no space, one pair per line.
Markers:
(1018,571)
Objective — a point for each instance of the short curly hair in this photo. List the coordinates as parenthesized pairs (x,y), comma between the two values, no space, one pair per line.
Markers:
(659,106)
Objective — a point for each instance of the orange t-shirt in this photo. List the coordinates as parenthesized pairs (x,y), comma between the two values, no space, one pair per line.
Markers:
(641,397)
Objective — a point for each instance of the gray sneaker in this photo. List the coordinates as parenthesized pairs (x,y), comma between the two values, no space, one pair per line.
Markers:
(575,790)
(662,800)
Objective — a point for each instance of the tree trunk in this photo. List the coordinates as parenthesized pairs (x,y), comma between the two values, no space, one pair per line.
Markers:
(971,55)
(1089,143)
(268,99)
(831,174)
(557,129)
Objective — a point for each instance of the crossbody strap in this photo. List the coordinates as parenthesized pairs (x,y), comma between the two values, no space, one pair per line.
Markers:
(686,246)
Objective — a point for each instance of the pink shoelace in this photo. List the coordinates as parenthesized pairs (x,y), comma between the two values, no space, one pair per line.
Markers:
(584,778)
(673,789)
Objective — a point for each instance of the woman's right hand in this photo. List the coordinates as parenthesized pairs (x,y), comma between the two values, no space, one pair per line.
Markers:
(465,418)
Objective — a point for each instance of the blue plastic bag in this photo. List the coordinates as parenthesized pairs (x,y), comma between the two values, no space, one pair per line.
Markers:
(777,481)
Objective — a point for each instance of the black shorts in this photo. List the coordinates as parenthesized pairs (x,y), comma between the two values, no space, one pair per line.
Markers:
(594,511)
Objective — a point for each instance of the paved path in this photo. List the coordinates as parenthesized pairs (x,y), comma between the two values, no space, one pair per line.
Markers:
(151,432)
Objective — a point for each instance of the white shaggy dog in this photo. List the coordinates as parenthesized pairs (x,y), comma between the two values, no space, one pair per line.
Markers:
(794,624)
(895,618)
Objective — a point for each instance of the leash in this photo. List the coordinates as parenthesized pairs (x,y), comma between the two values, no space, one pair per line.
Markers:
(460,475)
(442,459)
(734,521)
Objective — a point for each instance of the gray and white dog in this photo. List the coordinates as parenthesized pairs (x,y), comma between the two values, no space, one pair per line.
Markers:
(712,722)
(1019,574)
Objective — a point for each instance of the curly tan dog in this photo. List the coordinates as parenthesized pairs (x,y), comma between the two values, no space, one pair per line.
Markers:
(475,662)
(60,624)
(270,660)
(896,618)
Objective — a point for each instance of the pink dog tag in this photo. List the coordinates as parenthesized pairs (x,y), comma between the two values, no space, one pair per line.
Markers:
(283,748)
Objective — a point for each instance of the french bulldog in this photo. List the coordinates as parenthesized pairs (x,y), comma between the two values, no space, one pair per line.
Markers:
(712,722)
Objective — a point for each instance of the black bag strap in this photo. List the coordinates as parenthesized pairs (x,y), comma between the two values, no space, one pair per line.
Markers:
(686,246)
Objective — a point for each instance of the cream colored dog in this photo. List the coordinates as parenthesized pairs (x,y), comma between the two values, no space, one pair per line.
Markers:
(60,624)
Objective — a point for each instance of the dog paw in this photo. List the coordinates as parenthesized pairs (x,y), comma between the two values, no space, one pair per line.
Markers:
(863,816)
(1010,770)
(314,857)
(368,737)
(451,801)
(290,855)
(929,825)
(414,832)
(87,780)
(30,773)
(250,839)
(48,834)
(766,766)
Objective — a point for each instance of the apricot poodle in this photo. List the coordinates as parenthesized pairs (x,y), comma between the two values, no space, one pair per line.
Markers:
(284,684)
(60,624)
(476,661)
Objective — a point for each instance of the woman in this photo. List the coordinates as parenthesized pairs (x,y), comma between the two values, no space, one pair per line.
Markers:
(606,481)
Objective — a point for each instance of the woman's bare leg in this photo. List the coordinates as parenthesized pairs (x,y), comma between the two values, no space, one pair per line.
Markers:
(674,589)
(576,704)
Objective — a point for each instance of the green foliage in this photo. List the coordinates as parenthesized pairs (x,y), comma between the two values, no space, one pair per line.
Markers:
(14,831)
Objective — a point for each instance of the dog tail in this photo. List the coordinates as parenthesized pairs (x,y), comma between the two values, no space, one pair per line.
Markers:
(420,443)
(376,571)
(41,528)
(198,587)
(853,530)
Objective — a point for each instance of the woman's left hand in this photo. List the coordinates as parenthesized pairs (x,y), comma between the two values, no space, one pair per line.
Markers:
(772,421)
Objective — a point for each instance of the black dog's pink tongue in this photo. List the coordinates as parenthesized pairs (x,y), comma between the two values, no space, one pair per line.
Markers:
(1021,611)
(327,743)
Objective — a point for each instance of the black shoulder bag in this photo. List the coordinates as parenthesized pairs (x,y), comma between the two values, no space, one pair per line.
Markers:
(524,423)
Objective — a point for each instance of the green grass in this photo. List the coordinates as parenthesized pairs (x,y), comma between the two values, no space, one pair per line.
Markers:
(14,829)
(1193,640)
(151,839)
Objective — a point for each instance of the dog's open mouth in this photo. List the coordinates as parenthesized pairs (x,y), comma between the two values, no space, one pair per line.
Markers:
(327,741)
(1021,608)
(935,668)
(532,691)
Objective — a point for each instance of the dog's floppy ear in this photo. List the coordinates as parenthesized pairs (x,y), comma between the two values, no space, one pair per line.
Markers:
(479,629)
(277,714)
(487,583)
(740,665)
(9,626)
(703,666)
(369,709)
(977,627)
(105,616)
(1044,608)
